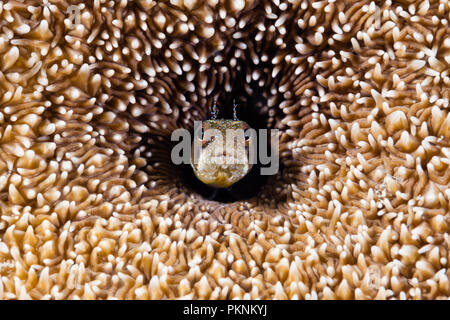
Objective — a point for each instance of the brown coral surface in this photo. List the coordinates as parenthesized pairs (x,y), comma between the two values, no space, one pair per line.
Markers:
(92,207)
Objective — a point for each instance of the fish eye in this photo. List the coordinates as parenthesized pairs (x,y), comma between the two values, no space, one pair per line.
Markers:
(247,135)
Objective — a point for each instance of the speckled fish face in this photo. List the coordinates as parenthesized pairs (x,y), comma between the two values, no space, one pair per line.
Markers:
(223,152)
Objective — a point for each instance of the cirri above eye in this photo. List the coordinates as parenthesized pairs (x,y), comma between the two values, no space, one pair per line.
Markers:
(223,157)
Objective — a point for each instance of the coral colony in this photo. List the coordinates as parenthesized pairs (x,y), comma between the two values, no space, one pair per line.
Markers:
(92,207)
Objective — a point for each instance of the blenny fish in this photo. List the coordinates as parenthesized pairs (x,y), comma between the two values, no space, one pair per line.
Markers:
(223,151)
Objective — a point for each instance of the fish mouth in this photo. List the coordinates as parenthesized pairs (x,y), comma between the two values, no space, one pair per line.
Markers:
(222,180)
(219,175)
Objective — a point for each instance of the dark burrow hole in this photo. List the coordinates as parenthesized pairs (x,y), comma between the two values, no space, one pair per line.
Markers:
(249,186)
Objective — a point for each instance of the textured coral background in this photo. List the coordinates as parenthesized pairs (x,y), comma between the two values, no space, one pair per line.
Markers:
(91,206)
